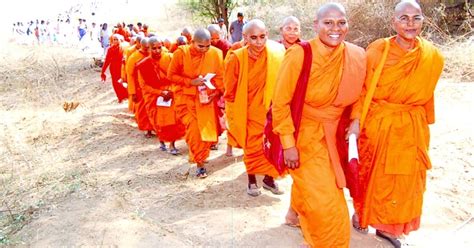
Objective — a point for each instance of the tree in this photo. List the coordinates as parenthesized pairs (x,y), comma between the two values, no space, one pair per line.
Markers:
(210,10)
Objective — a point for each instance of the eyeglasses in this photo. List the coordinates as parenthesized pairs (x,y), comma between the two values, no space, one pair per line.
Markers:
(404,19)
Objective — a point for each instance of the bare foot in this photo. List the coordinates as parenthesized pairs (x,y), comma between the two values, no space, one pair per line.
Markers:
(229,152)
(291,218)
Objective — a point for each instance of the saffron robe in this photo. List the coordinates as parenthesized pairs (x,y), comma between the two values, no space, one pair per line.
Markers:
(335,82)
(395,138)
(249,85)
(152,79)
(199,119)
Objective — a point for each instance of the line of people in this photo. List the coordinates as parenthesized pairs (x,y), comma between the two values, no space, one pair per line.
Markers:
(199,86)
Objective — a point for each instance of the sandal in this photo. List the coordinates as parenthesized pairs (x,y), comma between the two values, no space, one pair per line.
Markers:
(201,173)
(163,147)
(394,241)
(356,225)
(253,190)
(175,152)
(275,190)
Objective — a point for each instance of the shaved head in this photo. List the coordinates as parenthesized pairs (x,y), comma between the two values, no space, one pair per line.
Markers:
(253,24)
(290,31)
(323,10)
(181,40)
(153,40)
(214,29)
(401,7)
(201,35)
(144,41)
(290,20)
(186,31)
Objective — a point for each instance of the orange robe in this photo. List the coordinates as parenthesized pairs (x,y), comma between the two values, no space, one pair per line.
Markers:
(199,119)
(335,82)
(173,47)
(134,89)
(153,80)
(127,53)
(230,137)
(124,33)
(249,85)
(394,140)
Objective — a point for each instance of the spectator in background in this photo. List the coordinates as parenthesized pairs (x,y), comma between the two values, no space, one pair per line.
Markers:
(223,28)
(105,37)
(236,27)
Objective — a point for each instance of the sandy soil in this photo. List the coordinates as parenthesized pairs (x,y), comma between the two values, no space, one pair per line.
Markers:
(90,178)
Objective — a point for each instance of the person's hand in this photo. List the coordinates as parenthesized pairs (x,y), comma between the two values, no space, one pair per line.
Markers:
(353,128)
(211,98)
(291,157)
(197,81)
(134,98)
(103,77)
(167,95)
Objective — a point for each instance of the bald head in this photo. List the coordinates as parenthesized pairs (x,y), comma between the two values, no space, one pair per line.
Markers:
(290,31)
(153,40)
(145,42)
(290,20)
(201,35)
(252,25)
(181,40)
(404,5)
(186,31)
(213,29)
(328,7)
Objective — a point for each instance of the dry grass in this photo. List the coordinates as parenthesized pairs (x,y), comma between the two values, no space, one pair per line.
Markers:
(459,60)
(371,20)
(36,165)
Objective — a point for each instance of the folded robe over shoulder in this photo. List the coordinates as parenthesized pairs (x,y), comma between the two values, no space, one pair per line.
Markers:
(250,84)
(335,82)
(395,138)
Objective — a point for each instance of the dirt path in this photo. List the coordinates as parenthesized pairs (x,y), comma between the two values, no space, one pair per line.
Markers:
(90,178)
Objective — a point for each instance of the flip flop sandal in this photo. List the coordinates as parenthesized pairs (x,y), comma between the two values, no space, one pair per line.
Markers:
(292,224)
(275,190)
(356,226)
(394,241)
(201,173)
(174,152)
(163,147)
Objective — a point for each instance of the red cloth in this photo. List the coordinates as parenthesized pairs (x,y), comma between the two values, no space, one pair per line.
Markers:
(224,46)
(152,80)
(113,58)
